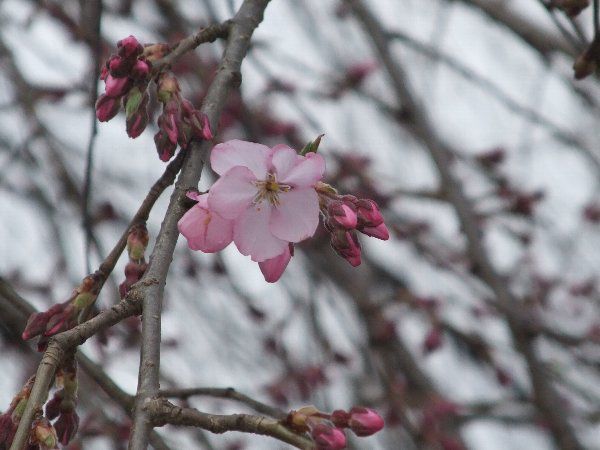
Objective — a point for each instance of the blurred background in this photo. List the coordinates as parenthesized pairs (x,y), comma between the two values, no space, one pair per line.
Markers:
(475,326)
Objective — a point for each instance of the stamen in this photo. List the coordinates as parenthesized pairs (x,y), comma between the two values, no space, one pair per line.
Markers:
(269,189)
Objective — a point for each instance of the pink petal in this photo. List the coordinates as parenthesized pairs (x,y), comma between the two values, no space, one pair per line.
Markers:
(205,230)
(273,268)
(306,172)
(297,216)
(234,153)
(252,236)
(232,194)
(283,159)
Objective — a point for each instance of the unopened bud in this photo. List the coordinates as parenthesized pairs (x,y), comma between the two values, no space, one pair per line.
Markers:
(44,434)
(116,87)
(342,215)
(107,107)
(368,213)
(346,244)
(167,87)
(140,70)
(129,47)
(164,146)
(136,124)
(137,241)
(379,232)
(118,66)
(364,421)
(326,435)
(66,426)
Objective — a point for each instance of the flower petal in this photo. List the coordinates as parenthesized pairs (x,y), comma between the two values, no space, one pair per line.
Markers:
(205,230)
(252,236)
(232,193)
(234,153)
(306,172)
(283,159)
(273,268)
(297,216)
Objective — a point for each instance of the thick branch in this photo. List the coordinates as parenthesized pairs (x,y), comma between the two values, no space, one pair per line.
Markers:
(165,412)
(228,76)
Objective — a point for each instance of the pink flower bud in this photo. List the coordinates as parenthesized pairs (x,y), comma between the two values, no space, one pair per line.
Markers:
(273,268)
(129,47)
(66,426)
(365,421)
(119,67)
(379,232)
(136,124)
(107,107)
(325,435)
(140,70)
(170,120)
(37,322)
(346,244)
(164,146)
(116,87)
(341,215)
(368,213)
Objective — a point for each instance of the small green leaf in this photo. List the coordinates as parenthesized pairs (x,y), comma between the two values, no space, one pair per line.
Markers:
(312,147)
(134,99)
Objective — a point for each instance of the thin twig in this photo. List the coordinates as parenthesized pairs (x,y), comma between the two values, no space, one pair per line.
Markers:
(229,393)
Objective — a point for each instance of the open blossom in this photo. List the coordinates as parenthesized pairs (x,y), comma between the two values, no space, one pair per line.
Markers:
(268,194)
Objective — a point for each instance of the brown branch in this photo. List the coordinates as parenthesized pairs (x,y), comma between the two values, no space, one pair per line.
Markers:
(228,393)
(418,123)
(60,344)
(228,76)
(164,412)
(208,34)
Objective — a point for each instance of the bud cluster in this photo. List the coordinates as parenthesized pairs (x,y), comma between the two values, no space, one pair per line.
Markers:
(327,430)
(344,215)
(126,76)
(179,122)
(62,405)
(62,316)
(137,241)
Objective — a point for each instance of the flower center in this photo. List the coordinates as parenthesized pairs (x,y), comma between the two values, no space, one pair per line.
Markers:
(269,189)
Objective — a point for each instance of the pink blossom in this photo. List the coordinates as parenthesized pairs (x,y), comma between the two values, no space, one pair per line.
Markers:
(273,268)
(203,228)
(267,193)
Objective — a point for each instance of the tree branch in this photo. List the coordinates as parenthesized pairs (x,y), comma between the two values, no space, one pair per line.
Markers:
(228,393)
(164,412)
(228,76)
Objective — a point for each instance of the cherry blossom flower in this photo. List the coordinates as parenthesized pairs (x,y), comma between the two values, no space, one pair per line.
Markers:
(267,193)
(204,229)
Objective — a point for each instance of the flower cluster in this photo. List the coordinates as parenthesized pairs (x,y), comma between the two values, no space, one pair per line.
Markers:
(62,405)
(62,316)
(179,122)
(327,430)
(268,199)
(137,241)
(127,76)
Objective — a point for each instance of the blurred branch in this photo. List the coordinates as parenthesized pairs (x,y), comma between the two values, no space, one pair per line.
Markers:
(418,123)
(228,393)
(164,412)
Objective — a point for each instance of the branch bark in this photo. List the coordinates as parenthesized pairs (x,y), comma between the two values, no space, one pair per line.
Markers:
(228,76)
(164,412)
